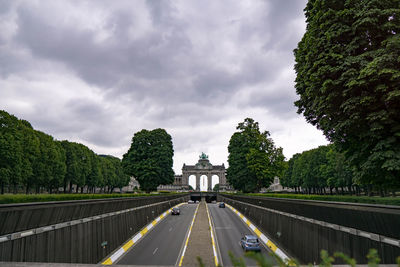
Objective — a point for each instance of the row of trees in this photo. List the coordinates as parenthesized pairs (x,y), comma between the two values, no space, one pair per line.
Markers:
(318,169)
(253,159)
(35,161)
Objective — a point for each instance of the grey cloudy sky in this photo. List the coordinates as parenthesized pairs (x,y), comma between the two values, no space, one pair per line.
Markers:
(96,72)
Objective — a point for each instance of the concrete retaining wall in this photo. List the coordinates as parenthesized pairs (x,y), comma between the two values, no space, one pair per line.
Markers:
(81,242)
(304,228)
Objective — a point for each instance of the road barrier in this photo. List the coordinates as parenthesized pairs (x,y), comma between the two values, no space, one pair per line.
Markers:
(287,224)
(84,239)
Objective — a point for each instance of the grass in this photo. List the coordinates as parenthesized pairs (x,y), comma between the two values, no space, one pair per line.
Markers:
(338,198)
(22,198)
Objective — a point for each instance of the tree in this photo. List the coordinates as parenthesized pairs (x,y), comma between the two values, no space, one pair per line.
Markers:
(50,168)
(150,159)
(253,159)
(10,149)
(348,77)
(216,188)
(287,177)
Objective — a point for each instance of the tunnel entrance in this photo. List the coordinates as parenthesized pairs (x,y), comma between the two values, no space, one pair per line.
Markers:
(203,196)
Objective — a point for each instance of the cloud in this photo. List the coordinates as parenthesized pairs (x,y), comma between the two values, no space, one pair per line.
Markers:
(96,73)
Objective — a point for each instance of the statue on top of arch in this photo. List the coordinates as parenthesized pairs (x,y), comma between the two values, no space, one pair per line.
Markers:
(203,156)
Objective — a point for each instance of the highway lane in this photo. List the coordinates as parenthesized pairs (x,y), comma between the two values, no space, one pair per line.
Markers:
(163,244)
(229,229)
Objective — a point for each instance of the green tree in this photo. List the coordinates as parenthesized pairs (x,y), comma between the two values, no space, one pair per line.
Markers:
(253,159)
(348,77)
(150,159)
(216,188)
(10,149)
(71,163)
(50,167)
(288,177)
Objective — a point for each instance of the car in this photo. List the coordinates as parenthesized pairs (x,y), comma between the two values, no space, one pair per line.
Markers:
(213,201)
(221,205)
(190,202)
(175,211)
(197,202)
(250,242)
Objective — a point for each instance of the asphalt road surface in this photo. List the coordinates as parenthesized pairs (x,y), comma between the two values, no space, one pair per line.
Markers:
(163,244)
(229,229)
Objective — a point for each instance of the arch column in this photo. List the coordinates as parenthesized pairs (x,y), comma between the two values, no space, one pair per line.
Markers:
(209,182)
(198,182)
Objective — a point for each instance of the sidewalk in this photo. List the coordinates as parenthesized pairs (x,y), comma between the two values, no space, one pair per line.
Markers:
(200,240)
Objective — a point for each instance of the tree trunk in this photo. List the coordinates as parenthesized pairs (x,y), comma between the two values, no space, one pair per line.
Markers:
(70,187)
(381,192)
(2,188)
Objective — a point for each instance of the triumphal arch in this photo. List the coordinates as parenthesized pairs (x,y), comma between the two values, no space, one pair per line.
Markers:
(203,167)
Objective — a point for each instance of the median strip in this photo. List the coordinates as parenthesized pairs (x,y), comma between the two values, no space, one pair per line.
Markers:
(135,239)
(187,239)
(212,238)
(261,236)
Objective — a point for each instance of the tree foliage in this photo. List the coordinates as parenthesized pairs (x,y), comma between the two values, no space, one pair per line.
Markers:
(316,169)
(33,159)
(150,159)
(253,159)
(348,80)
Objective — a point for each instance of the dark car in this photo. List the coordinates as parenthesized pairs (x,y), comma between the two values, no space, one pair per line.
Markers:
(221,205)
(175,211)
(250,242)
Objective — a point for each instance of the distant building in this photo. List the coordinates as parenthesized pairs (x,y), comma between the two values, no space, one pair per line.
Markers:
(276,187)
(133,184)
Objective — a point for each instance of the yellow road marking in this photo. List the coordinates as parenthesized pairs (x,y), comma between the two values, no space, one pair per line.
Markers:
(107,262)
(271,245)
(187,239)
(144,231)
(127,245)
(258,233)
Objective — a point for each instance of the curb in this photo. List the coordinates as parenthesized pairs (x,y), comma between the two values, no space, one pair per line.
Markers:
(274,248)
(212,238)
(187,239)
(135,239)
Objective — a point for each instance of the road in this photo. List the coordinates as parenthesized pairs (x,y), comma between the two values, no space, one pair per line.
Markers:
(229,229)
(163,244)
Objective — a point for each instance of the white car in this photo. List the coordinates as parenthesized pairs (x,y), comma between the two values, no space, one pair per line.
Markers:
(190,202)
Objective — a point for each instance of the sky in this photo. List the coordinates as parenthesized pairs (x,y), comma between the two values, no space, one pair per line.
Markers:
(96,72)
